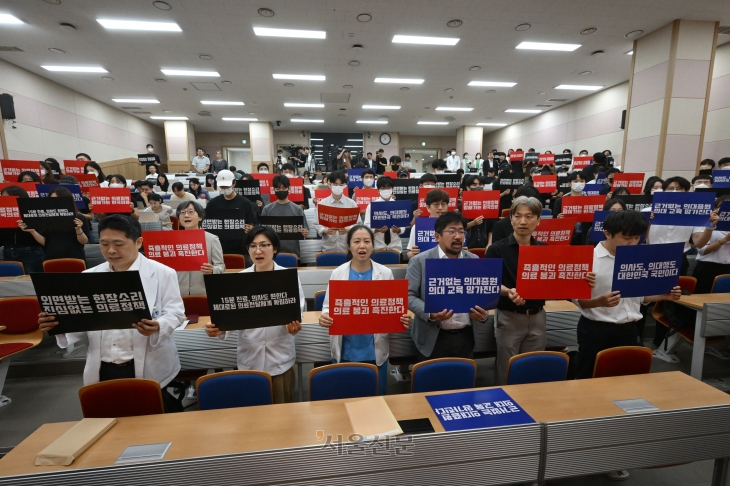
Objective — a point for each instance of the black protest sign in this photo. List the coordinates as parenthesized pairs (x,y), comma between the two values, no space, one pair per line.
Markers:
(636,202)
(286,227)
(406,189)
(226,224)
(251,190)
(447,180)
(564,184)
(510,180)
(91,301)
(253,299)
(145,159)
(563,159)
(531,157)
(47,213)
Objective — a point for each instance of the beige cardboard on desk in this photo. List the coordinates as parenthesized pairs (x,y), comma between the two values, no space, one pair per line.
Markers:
(64,450)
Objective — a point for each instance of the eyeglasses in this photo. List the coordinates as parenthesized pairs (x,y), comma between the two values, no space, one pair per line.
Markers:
(262,247)
(189,212)
(451,232)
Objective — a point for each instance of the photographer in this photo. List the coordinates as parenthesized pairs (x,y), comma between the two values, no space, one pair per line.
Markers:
(343,160)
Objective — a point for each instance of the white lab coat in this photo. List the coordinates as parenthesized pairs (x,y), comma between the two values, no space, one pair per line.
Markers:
(155,356)
(453,163)
(192,283)
(270,349)
(379,243)
(380,272)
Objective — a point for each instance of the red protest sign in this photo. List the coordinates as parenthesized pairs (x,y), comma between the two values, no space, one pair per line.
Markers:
(184,251)
(516,156)
(9,213)
(109,200)
(296,189)
(634,182)
(363,197)
(87,181)
(391,174)
(545,159)
(581,161)
(480,203)
(74,167)
(29,187)
(332,217)
(320,194)
(264,182)
(367,306)
(582,207)
(555,231)
(545,184)
(554,272)
(13,168)
(453,193)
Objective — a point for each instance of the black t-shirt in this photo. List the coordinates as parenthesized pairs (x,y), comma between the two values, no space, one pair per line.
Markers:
(16,238)
(249,216)
(379,169)
(501,229)
(64,244)
(509,250)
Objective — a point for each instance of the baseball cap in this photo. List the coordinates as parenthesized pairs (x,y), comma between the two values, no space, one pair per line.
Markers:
(225,178)
(505,166)
(403,172)
(534,170)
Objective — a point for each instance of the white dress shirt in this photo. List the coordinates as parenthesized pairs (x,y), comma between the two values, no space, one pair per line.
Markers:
(379,243)
(627,310)
(722,255)
(457,321)
(662,233)
(117,344)
(336,242)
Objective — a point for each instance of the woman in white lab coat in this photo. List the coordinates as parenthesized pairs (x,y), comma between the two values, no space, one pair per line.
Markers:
(270,349)
(190,215)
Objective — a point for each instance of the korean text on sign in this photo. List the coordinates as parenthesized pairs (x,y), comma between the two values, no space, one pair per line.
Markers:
(582,207)
(367,307)
(554,272)
(462,284)
(334,217)
(682,209)
(480,203)
(477,409)
(641,270)
(555,231)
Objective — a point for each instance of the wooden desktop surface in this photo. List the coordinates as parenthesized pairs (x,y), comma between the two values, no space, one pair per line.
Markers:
(205,433)
(697,301)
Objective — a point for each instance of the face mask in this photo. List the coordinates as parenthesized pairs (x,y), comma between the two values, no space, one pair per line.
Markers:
(263,171)
(279,154)
(43,172)
(227,191)
(289,175)
(727,167)
(439,171)
(386,193)
(466,157)
(281,195)
(672,190)
(705,167)
(429,187)
(453,153)
(577,186)
(338,190)
(562,174)
(702,186)
(116,185)
(93,172)
(150,150)
(368,182)
(656,190)
(477,188)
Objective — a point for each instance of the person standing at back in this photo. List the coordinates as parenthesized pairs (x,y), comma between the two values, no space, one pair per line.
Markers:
(229,200)
(219,163)
(201,163)
(381,161)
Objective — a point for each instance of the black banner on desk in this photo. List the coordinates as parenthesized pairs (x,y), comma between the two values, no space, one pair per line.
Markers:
(91,301)
(226,224)
(286,227)
(251,190)
(636,202)
(406,189)
(47,213)
(447,180)
(563,159)
(253,299)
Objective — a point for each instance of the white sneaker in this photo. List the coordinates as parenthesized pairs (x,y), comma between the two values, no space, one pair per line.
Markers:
(400,377)
(621,475)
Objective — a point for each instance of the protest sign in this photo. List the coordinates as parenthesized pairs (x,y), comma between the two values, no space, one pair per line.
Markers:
(636,202)
(110,200)
(226,224)
(363,197)
(546,159)
(425,238)
(641,270)
(453,193)
(367,306)
(9,212)
(45,189)
(285,227)
(47,213)
(479,409)
(184,251)
(554,272)
(582,207)
(336,217)
(555,231)
(461,284)
(480,203)
(74,167)
(545,184)
(634,182)
(390,213)
(682,208)
(448,181)
(13,168)
(580,162)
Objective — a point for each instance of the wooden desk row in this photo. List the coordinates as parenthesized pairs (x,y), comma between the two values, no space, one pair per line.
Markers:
(579,431)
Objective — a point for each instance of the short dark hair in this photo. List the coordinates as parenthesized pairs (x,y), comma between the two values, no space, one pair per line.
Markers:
(262,164)
(337,175)
(460,171)
(16,191)
(194,180)
(579,173)
(384,182)
(620,191)
(81,154)
(395,158)
(197,207)
(469,180)
(154,197)
(360,165)
(650,183)
(367,172)
(437,195)
(356,228)
(702,177)
(428,177)
(152,166)
(527,191)
(200,148)
(448,218)
(407,155)
(599,158)
(267,232)
(709,162)
(33,175)
(438,164)
(121,222)
(146,183)
(149,145)
(369,153)
(613,201)
(120,178)
(723,161)
(60,191)
(681,182)
(280,180)
(628,223)
(178,186)
(288,166)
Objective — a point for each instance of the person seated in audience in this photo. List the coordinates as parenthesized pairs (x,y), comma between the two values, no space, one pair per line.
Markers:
(19,245)
(653,184)
(701,181)
(95,169)
(67,180)
(163,182)
(384,238)
(81,157)
(615,205)
(395,162)
(724,163)
(290,171)
(147,349)
(54,166)
(599,160)
(210,182)
(621,191)
(478,230)
(145,190)
(490,175)
(437,204)
(201,163)
(262,168)
(152,176)
(117,181)
(197,190)
(582,230)
(229,200)
(567,151)
(270,349)
(283,207)
(361,348)
(334,239)
(505,193)
(179,193)
(47,175)
(583,153)
(191,215)
(163,212)
(442,334)
(438,166)
(29,176)
(713,252)
(62,243)
(707,165)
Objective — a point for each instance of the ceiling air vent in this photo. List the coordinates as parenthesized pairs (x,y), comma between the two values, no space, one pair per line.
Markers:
(10,49)
(724,30)
(556,100)
(203,86)
(544,106)
(142,112)
(131,107)
(204,113)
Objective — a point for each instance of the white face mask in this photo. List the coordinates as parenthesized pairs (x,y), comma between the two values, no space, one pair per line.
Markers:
(702,186)
(290,175)
(368,182)
(439,171)
(672,190)
(338,190)
(90,171)
(656,190)
(430,186)
(705,167)
(263,171)
(227,191)
(466,157)
(117,185)
(43,172)
(453,153)
(577,186)
(386,193)
(150,149)
(727,167)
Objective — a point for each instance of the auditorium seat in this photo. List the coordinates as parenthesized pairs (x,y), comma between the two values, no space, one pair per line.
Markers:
(443,374)
(343,380)
(537,367)
(126,397)
(238,388)
(234,261)
(622,361)
(319,299)
(331,258)
(10,268)
(18,332)
(60,265)
(196,305)
(288,260)
(386,257)
(480,252)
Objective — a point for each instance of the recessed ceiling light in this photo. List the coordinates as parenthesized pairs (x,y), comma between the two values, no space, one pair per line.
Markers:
(353,63)
(423,40)
(405,88)
(56,50)
(53,2)
(134,100)
(237,103)
(377,122)
(399,80)
(491,124)
(630,53)
(305,105)
(299,34)
(240,119)
(454,23)
(452,108)
(169,118)
(449,90)
(251,112)
(139,25)
(226,82)
(10,19)
(364,17)
(431,123)
(497,84)
(306,120)
(548,46)
(161,5)
(588,31)
(634,33)
(303,77)
(475,68)
(514,110)
(347,86)
(266,12)
(206,57)
(353,139)
(585,73)
(523,27)
(380,107)
(75,69)
(491,91)
(317,140)
(288,85)
(542,92)
(160,80)
(579,87)
(107,78)
(166,111)
(186,72)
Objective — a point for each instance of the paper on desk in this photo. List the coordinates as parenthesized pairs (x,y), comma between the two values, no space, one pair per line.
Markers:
(64,450)
(371,417)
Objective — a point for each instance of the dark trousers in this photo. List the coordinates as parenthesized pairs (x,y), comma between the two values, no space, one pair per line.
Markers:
(457,343)
(30,256)
(595,336)
(661,331)
(111,371)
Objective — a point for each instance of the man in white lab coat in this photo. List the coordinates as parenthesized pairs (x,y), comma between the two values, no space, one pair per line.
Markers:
(453,161)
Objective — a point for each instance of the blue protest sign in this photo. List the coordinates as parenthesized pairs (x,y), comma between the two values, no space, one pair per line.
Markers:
(354,178)
(44,189)
(720,178)
(724,213)
(459,284)
(425,238)
(390,213)
(477,409)
(597,225)
(592,189)
(682,208)
(601,178)
(641,270)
